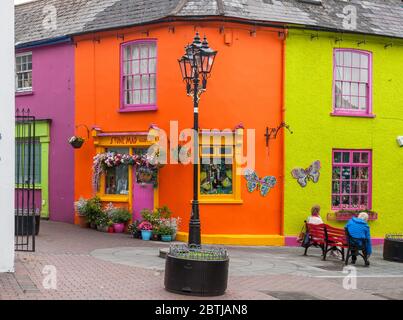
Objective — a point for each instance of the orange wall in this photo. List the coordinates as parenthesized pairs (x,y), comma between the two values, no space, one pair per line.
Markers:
(246,86)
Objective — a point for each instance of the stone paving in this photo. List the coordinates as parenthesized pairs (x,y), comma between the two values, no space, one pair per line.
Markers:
(95,265)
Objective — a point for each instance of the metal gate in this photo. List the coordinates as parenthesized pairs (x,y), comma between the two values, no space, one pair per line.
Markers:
(26,215)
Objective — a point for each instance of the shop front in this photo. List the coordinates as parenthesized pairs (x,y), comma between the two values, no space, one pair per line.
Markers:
(125,185)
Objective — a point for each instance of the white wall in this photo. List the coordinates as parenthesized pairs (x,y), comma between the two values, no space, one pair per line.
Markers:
(7,136)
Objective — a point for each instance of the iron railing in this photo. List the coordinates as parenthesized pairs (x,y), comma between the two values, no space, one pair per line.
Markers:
(26,214)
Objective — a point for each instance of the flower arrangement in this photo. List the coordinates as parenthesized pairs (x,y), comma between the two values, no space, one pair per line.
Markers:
(81,207)
(145,225)
(103,161)
(76,142)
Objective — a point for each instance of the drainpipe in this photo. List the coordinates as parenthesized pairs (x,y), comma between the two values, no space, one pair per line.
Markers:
(283,53)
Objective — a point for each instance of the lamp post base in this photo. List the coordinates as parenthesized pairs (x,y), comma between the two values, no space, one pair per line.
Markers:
(194,225)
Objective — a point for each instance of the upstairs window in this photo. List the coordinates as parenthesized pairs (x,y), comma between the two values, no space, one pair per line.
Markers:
(139,62)
(23,72)
(352,87)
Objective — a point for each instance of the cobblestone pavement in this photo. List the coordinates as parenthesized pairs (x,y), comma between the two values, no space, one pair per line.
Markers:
(95,265)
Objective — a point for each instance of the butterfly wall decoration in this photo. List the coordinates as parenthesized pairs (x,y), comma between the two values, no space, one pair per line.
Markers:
(304,175)
(254,183)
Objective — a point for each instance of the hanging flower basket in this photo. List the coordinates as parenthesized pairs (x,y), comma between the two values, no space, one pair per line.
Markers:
(76,142)
(145,174)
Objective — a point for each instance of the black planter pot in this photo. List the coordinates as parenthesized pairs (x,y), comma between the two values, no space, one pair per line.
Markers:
(77,144)
(196,278)
(393,250)
(24,225)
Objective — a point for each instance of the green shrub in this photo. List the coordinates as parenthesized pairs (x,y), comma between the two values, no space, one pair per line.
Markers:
(121,215)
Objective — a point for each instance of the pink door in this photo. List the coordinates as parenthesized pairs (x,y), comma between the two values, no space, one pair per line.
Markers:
(143,197)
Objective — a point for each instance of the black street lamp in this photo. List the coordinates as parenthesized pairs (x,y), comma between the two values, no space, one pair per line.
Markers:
(192,269)
(196,65)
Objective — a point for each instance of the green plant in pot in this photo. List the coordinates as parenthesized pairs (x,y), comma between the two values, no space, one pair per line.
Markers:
(91,209)
(166,233)
(102,222)
(82,212)
(120,217)
(134,230)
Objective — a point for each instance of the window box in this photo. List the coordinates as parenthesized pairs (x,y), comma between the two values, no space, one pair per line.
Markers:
(344,215)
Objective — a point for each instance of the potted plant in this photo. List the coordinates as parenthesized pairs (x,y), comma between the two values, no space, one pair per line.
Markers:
(120,217)
(134,230)
(146,230)
(76,142)
(110,227)
(166,233)
(93,210)
(156,236)
(102,222)
(82,213)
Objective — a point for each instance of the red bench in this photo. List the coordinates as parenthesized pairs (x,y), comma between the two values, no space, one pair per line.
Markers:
(326,237)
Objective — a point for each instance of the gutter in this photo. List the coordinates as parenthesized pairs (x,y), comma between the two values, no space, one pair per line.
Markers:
(45,42)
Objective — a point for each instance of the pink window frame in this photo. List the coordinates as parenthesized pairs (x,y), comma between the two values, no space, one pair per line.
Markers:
(351,164)
(136,107)
(350,112)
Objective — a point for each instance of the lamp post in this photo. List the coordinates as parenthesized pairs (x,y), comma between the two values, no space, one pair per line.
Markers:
(191,269)
(196,65)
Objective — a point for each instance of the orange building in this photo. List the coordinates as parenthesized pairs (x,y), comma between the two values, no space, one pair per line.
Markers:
(128,80)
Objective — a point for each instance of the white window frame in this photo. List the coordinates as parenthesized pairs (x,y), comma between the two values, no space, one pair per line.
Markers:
(22,89)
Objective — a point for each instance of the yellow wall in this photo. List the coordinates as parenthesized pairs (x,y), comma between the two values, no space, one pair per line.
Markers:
(308,104)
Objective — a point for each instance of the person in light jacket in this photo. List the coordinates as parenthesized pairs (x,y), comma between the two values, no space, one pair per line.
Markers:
(358,228)
(315,218)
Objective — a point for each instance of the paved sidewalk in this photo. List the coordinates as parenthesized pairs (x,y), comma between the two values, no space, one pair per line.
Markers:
(94,265)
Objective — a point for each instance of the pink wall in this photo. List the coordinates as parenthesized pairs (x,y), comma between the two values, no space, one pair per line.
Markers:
(53,98)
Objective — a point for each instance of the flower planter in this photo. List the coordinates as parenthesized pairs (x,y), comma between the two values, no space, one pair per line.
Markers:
(166,238)
(118,227)
(93,225)
(102,228)
(146,234)
(77,144)
(155,237)
(82,221)
(111,230)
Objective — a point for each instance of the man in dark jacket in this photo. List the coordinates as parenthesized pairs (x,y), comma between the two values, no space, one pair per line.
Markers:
(358,228)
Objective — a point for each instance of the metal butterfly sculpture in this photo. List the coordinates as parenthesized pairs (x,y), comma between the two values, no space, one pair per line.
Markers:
(304,175)
(254,183)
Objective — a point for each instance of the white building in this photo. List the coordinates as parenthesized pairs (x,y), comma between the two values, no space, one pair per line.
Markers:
(7,136)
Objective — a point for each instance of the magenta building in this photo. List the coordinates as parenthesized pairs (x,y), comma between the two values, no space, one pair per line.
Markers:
(45,86)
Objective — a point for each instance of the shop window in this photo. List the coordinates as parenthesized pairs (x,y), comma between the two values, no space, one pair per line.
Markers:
(216,170)
(351,179)
(117,178)
(27,161)
(352,82)
(23,72)
(219,173)
(139,75)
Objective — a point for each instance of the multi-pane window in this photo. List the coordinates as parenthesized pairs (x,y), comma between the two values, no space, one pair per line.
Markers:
(23,72)
(27,162)
(352,82)
(351,179)
(216,169)
(139,74)
(117,178)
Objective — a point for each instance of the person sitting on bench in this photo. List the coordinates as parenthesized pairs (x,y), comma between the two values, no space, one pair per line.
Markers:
(315,218)
(358,228)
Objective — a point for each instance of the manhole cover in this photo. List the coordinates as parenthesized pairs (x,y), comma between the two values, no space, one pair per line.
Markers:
(290,295)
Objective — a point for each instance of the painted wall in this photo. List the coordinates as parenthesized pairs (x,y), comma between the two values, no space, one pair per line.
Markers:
(53,98)
(308,97)
(7,136)
(246,86)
